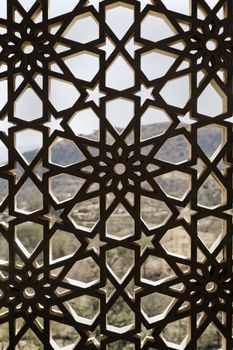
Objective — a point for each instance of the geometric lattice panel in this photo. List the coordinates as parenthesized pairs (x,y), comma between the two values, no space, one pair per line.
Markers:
(116,174)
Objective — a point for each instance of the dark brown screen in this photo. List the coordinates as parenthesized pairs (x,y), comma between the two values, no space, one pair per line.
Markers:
(116,174)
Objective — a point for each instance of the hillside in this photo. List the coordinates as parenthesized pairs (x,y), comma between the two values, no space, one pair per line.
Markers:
(176,241)
(209,138)
(175,149)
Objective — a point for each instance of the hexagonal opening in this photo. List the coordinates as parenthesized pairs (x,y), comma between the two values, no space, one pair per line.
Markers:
(154,212)
(175,150)
(156,270)
(72,185)
(83,29)
(120,224)
(85,215)
(120,75)
(84,309)
(85,123)
(63,245)
(175,184)
(154,306)
(84,65)
(64,152)
(84,273)
(120,317)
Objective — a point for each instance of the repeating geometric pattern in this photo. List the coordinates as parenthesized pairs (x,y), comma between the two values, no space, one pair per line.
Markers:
(129,226)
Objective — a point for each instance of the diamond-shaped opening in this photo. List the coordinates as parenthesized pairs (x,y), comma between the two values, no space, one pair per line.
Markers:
(120,75)
(28,105)
(3,189)
(28,236)
(175,150)
(120,261)
(122,13)
(212,3)
(85,123)
(64,187)
(28,339)
(120,224)
(156,27)
(176,241)
(155,306)
(176,334)
(26,5)
(175,184)
(85,215)
(4,253)
(54,66)
(64,152)
(210,338)
(154,212)
(119,113)
(29,199)
(63,244)
(84,273)
(120,317)
(28,143)
(84,309)
(211,139)
(155,64)
(59,48)
(60,88)
(210,230)
(82,29)
(212,193)
(176,92)
(155,270)
(216,100)
(84,65)
(63,336)
(154,122)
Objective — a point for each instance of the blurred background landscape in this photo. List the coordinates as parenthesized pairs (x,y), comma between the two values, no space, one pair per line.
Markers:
(120,224)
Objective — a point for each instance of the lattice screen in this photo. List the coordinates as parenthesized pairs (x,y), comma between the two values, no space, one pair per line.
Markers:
(116,174)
